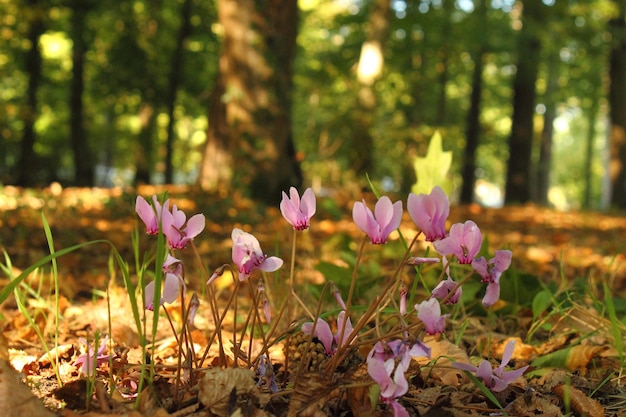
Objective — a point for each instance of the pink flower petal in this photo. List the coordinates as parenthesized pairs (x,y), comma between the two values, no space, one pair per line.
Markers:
(271,264)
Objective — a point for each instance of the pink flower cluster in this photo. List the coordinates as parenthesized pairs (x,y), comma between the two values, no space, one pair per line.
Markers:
(179,232)
(174,224)
(430,212)
(387,363)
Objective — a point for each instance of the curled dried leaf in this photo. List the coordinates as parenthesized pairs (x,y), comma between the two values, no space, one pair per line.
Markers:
(221,389)
(579,401)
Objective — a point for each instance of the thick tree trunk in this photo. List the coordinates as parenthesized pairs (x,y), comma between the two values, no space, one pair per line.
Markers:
(216,169)
(256,64)
(28,168)
(617,103)
(144,159)
(472,137)
(83,159)
(145,149)
(442,96)
(545,148)
(369,70)
(521,139)
(176,65)
(592,114)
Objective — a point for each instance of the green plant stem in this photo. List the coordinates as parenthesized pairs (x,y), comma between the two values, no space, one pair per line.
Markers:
(55,277)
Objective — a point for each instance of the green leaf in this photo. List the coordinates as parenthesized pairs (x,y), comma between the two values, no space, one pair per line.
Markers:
(556,359)
(541,302)
(433,169)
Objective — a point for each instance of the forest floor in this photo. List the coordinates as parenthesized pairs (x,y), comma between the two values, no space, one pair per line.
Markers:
(563,301)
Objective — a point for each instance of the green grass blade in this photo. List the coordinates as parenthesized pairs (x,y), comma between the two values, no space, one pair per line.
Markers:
(6,291)
(615,323)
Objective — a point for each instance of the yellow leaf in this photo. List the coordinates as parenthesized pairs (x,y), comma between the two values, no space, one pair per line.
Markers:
(433,169)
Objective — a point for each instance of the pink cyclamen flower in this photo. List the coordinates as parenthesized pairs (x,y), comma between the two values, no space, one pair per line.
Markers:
(296,211)
(173,265)
(149,214)
(401,350)
(429,313)
(248,256)
(430,212)
(172,285)
(464,242)
(88,359)
(385,219)
(178,233)
(491,271)
(323,333)
(392,382)
(496,379)
(445,287)
(387,363)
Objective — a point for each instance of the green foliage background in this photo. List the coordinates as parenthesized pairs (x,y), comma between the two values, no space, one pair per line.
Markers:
(425,86)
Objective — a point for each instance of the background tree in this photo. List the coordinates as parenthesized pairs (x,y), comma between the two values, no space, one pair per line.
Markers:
(256,68)
(472,128)
(176,67)
(83,159)
(547,131)
(518,182)
(28,167)
(617,103)
(369,69)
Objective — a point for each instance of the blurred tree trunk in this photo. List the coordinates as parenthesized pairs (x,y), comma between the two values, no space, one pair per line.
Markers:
(592,114)
(369,70)
(472,136)
(545,148)
(28,167)
(144,159)
(176,66)
(617,103)
(146,32)
(252,111)
(443,66)
(83,159)
(472,130)
(216,168)
(518,185)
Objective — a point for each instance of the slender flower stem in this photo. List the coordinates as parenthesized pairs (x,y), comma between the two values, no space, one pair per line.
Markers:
(212,302)
(293,261)
(369,313)
(355,274)
(292,283)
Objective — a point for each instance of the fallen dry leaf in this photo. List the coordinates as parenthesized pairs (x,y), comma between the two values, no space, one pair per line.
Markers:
(443,353)
(310,395)
(579,401)
(222,391)
(16,399)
